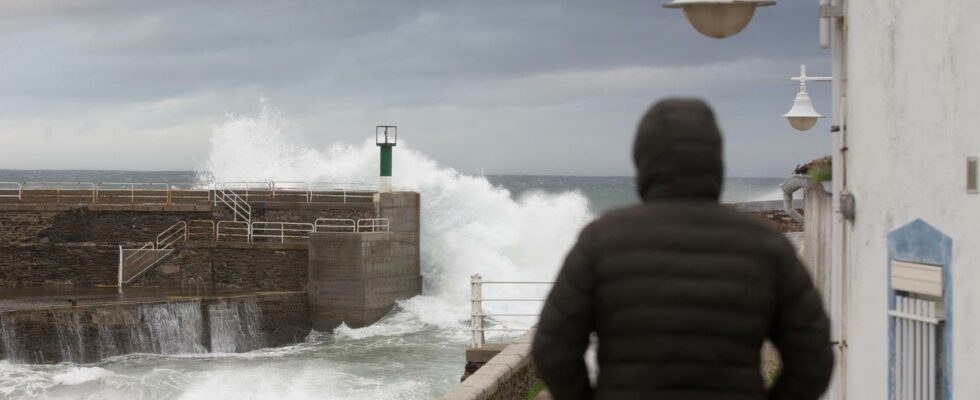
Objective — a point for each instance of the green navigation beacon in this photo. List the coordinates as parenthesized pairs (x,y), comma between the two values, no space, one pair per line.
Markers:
(385,136)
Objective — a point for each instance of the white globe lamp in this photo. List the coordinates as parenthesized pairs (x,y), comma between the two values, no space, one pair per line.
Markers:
(802,116)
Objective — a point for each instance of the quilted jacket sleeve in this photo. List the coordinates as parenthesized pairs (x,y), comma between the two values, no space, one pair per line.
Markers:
(567,321)
(801,332)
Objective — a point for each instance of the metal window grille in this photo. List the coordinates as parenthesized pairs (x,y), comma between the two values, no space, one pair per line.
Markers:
(917,328)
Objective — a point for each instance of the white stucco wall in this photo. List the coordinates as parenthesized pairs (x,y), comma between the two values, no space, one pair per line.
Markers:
(913,118)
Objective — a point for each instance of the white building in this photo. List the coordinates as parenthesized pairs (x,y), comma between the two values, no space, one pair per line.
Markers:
(910,74)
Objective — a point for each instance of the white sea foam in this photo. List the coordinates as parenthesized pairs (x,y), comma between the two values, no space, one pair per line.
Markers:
(469,226)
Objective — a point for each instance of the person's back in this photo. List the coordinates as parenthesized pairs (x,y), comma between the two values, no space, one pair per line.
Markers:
(680,290)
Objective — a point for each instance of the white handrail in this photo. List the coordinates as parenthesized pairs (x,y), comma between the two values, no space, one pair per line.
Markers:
(247,186)
(232,229)
(373,225)
(334,225)
(238,205)
(59,186)
(477,316)
(191,193)
(131,187)
(170,236)
(291,230)
(19,187)
(290,187)
(190,232)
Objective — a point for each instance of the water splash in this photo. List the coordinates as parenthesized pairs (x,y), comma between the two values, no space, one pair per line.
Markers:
(469,226)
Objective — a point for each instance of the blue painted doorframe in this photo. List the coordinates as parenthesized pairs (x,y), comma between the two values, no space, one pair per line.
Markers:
(919,242)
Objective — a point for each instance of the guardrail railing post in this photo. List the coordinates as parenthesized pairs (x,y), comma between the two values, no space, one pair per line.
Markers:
(476,295)
(120,267)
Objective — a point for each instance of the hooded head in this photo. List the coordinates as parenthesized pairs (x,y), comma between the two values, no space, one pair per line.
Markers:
(678,152)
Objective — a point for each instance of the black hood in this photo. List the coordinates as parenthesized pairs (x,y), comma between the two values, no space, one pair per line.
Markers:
(678,152)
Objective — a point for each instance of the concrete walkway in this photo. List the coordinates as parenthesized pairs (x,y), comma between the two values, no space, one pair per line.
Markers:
(544,395)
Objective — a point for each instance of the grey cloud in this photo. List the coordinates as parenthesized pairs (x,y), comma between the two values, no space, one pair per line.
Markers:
(517,70)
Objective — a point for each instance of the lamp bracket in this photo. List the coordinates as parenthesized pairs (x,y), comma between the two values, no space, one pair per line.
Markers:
(829,11)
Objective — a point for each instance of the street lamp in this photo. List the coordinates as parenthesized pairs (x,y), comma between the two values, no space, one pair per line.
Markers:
(802,116)
(386,136)
(719,18)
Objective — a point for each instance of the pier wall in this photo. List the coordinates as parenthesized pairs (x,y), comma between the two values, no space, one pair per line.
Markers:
(47,244)
(88,333)
(357,278)
(508,375)
(233,266)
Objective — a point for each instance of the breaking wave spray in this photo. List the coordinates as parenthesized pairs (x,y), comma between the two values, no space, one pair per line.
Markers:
(468,225)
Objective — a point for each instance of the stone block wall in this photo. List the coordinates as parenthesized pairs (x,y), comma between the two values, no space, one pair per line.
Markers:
(48,244)
(233,266)
(507,376)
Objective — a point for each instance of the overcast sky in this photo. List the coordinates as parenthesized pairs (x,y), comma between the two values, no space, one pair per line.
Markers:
(517,87)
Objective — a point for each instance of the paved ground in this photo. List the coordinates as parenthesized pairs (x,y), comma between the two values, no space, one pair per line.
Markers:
(544,395)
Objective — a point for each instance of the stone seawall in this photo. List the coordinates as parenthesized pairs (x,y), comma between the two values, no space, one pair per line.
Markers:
(88,333)
(507,376)
(47,244)
(233,266)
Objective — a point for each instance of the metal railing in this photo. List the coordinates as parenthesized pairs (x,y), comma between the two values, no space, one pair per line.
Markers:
(478,316)
(134,262)
(346,192)
(239,206)
(373,225)
(146,192)
(185,193)
(915,340)
(334,225)
(280,230)
(188,193)
(200,229)
(172,235)
(12,190)
(233,231)
(73,192)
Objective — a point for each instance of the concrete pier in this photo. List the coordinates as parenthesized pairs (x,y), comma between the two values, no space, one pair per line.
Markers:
(355,278)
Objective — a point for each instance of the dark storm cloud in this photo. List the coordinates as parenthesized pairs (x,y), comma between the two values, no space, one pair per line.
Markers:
(545,79)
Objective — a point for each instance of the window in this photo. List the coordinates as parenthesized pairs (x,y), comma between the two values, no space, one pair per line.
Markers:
(918,317)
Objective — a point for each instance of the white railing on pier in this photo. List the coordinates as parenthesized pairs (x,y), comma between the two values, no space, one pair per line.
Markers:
(199,229)
(280,230)
(346,192)
(478,316)
(12,190)
(79,192)
(334,225)
(185,193)
(239,206)
(133,191)
(134,262)
(916,352)
(172,235)
(373,225)
(233,231)
(188,193)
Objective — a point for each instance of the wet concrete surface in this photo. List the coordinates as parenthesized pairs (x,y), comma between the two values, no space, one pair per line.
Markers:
(12,299)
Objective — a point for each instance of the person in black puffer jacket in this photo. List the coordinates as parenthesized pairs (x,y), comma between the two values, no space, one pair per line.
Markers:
(680,290)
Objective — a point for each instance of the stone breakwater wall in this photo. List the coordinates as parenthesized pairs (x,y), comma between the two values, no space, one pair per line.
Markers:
(51,245)
(88,333)
(48,244)
(232,266)
(508,375)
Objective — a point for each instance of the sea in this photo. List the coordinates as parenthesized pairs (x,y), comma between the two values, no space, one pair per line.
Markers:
(504,227)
